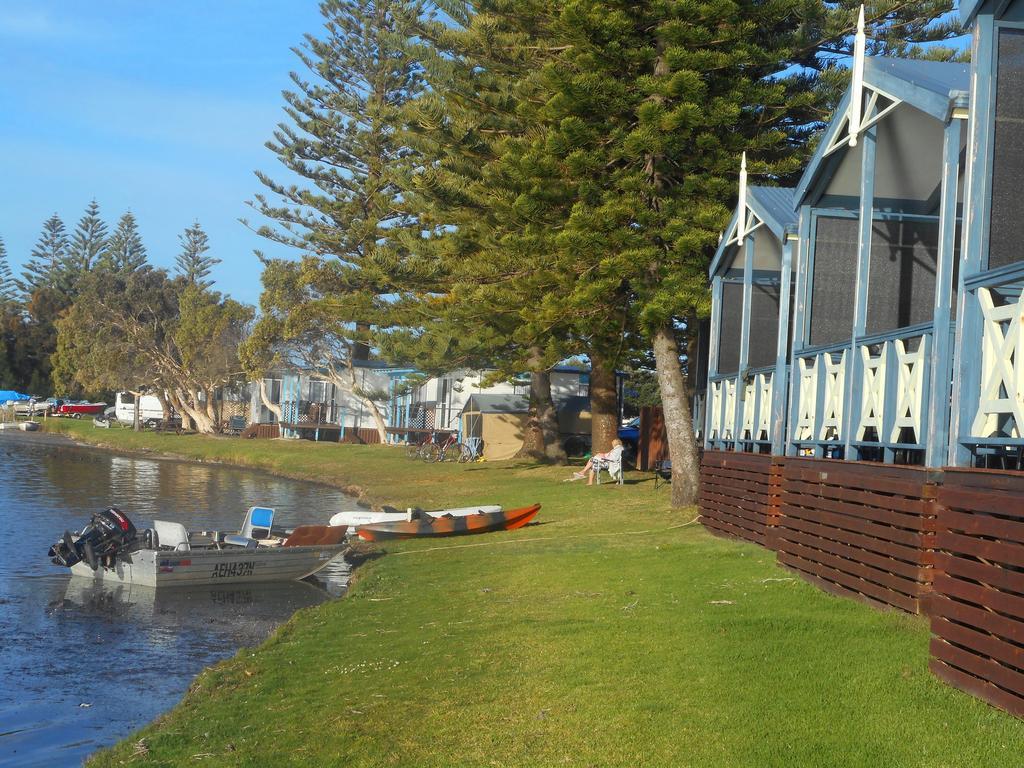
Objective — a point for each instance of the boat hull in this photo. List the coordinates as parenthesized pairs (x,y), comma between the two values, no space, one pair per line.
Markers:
(157,568)
(450,526)
(357,518)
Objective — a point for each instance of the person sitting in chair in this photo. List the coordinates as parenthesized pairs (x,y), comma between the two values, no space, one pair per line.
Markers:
(600,461)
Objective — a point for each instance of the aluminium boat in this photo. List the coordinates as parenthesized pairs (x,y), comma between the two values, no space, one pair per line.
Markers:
(110,548)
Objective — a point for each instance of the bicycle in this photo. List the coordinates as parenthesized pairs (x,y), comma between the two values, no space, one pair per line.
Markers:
(416,450)
(471,450)
(447,450)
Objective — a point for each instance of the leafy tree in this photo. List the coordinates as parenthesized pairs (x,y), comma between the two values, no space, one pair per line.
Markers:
(344,138)
(192,263)
(88,245)
(8,286)
(125,251)
(45,267)
(144,329)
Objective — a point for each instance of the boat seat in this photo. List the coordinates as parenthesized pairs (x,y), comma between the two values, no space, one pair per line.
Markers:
(258,522)
(171,536)
(234,540)
(316,535)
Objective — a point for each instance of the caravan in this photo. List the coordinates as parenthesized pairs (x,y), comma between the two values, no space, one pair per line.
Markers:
(150,409)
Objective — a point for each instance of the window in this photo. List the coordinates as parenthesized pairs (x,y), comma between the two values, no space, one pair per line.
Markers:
(1006,231)
(901,283)
(127,398)
(764,325)
(834,281)
(318,391)
(731,313)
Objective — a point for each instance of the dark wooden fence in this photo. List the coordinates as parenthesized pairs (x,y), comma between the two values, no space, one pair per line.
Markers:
(977,608)
(652,440)
(739,494)
(858,529)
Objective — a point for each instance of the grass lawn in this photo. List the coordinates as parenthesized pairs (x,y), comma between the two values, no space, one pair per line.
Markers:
(609,634)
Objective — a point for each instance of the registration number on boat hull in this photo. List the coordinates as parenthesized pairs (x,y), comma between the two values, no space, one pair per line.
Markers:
(232,570)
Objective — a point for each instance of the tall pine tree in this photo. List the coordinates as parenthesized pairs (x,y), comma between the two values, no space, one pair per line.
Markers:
(125,252)
(344,137)
(45,267)
(192,263)
(8,286)
(88,244)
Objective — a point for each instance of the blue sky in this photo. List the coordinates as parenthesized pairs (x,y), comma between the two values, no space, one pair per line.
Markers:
(158,107)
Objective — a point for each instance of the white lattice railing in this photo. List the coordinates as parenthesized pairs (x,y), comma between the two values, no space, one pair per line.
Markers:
(821,382)
(887,406)
(765,384)
(1000,409)
(729,410)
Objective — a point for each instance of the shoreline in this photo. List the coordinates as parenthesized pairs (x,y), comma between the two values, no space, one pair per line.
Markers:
(49,434)
(604,634)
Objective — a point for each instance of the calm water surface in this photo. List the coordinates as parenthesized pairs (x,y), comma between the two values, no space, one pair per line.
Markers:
(82,665)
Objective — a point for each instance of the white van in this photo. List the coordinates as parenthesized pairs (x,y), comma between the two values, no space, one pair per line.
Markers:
(149,408)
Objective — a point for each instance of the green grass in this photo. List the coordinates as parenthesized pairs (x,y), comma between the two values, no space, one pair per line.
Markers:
(609,634)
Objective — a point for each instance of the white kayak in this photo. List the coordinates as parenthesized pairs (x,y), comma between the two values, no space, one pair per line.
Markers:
(391,515)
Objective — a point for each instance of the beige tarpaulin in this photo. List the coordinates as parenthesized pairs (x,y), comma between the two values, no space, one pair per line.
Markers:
(499,420)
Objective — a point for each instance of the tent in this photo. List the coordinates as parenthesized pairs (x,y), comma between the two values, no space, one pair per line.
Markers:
(499,420)
(6,395)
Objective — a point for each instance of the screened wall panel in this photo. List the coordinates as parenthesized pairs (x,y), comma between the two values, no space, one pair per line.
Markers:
(1006,233)
(764,325)
(731,325)
(901,281)
(834,280)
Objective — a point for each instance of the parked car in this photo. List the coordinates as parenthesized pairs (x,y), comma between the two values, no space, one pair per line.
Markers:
(629,434)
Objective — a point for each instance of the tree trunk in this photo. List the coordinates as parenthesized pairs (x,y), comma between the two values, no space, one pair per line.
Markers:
(136,421)
(678,424)
(211,408)
(165,406)
(541,440)
(604,405)
(192,406)
(350,386)
(361,350)
(265,399)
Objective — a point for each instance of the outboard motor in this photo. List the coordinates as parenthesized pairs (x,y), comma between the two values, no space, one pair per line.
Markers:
(108,533)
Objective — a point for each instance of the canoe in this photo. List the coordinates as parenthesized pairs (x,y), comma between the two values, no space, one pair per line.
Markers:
(390,515)
(481,522)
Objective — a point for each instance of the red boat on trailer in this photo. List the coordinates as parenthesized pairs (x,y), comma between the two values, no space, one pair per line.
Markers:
(78,410)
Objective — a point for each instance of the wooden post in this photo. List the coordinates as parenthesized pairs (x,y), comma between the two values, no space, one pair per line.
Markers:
(741,374)
(800,318)
(779,382)
(854,364)
(939,384)
(977,189)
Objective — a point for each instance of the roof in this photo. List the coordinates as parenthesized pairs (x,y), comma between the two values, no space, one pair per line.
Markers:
(931,86)
(773,205)
(920,77)
(497,404)
(969,9)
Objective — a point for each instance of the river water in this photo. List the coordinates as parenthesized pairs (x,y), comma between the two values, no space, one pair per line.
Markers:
(83,666)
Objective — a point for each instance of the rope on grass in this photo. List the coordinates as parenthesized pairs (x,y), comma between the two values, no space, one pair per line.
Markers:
(546,538)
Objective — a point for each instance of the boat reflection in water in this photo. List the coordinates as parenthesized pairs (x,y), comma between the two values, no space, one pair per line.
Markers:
(175,617)
(252,610)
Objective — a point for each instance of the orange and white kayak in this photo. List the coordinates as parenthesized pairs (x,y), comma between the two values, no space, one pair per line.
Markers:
(427,525)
